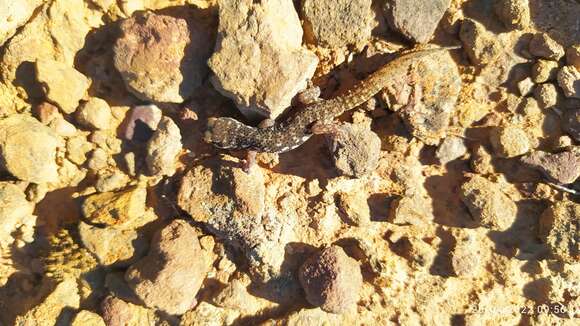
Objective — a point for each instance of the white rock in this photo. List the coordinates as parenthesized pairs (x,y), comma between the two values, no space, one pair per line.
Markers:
(63,85)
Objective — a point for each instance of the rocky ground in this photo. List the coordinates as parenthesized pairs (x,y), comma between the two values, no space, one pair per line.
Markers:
(461,208)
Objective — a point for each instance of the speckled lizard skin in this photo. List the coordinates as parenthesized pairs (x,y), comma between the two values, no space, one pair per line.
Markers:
(285,135)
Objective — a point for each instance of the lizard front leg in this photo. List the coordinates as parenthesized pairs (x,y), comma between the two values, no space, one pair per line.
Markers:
(251,155)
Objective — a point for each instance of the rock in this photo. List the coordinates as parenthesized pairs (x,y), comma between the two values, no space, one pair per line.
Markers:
(162,58)
(481,46)
(571,123)
(59,306)
(440,83)
(450,149)
(331,280)
(235,296)
(28,149)
(415,19)
(169,277)
(514,14)
(411,210)
(13,15)
(111,180)
(543,46)
(573,56)
(544,70)
(62,84)
(562,168)
(559,228)
(309,316)
(509,141)
(111,246)
(17,221)
(87,318)
(569,81)
(466,257)
(208,314)
(163,148)
(46,113)
(355,150)
(95,114)
(77,149)
(525,86)
(106,141)
(354,207)
(62,127)
(546,95)
(335,24)
(259,61)
(116,312)
(122,209)
(231,203)
(98,161)
(140,122)
(488,205)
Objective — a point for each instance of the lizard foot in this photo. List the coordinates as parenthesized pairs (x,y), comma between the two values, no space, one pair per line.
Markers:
(250,161)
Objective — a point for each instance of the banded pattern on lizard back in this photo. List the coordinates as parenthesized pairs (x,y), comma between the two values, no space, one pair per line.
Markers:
(228,133)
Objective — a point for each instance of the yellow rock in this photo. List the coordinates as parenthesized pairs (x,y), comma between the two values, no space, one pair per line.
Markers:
(122,208)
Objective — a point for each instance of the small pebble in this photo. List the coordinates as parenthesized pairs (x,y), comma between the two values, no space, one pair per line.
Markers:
(46,112)
(140,123)
(415,19)
(569,81)
(546,95)
(510,141)
(354,207)
(573,56)
(544,70)
(562,168)
(331,280)
(543,46)
(481,161)
(481,45)
(525,86)
(355,150)
(95,114)
(514,14)
(450,149)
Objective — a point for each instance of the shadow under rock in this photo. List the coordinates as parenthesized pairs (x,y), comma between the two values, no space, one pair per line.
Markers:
(442,265)
(521,236)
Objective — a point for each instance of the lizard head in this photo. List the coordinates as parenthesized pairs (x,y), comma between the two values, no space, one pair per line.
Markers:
(227,133)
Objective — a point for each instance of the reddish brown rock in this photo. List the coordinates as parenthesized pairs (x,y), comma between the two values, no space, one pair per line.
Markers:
(332,280)
(562,167)
(162,58)
(169,277)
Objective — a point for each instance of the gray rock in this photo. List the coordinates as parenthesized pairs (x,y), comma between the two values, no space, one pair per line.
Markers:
(231,203)
(77,149)
(334,24)
(450,149)
(571,123)
(569,81)
(488,205)
(139,117)
(355,150)
(411,210)
(573,56)
(514,14)
(28,149)
(110,180)
(112,246)
(63,85)
(331,280)
(562,168)
(543,46)
(99,160)
(415,19)
(163,148)
(259,61)
(169,277)
(559,228)
(544,70)
(439,81)
(162,58)
(546,95)
(510,141)
(95,114)
(481,46)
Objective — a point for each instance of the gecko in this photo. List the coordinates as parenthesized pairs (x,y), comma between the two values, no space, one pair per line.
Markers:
(290,133)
